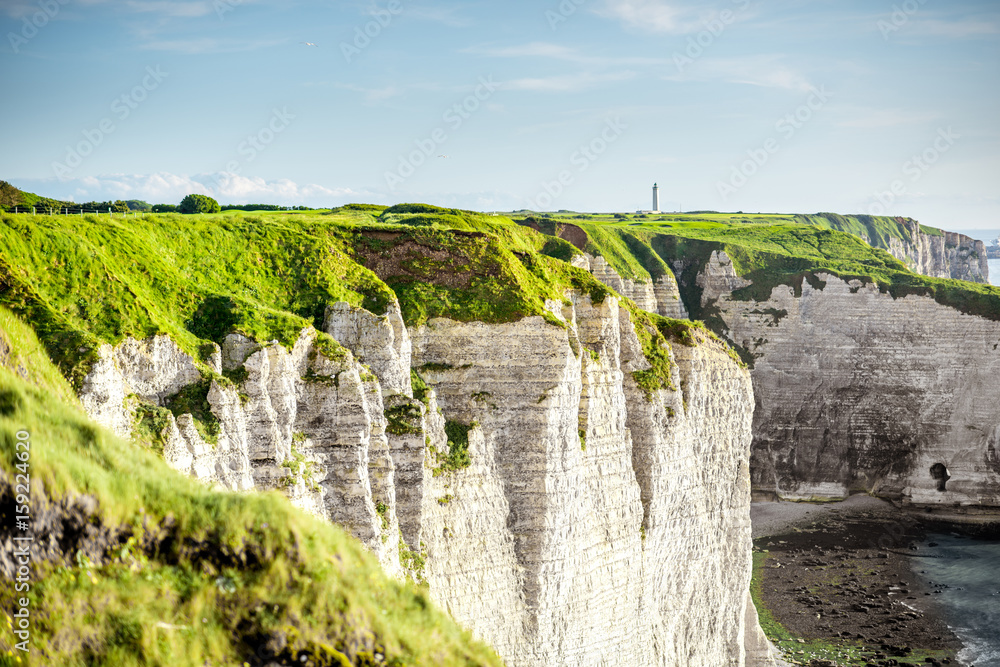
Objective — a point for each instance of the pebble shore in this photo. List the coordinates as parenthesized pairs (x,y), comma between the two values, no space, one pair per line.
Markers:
(841,572)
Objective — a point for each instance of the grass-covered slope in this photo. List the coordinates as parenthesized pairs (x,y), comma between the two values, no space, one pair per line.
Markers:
(160,570)
(83,281)
(877,229)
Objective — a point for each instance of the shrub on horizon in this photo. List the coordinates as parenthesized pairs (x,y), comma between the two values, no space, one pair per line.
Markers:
(198,204)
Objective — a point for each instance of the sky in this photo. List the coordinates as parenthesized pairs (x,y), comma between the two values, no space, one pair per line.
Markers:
(791,106)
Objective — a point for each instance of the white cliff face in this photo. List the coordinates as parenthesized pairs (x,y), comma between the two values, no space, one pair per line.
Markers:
(382,343)
(151,370)
(950,255)
(858,391)
(662,296)
(299,422)
(594,525)
(606,492)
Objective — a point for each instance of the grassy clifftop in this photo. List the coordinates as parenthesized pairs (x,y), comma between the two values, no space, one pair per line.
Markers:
(85,281)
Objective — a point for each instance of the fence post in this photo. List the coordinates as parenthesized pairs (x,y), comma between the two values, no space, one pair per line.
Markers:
(32,210)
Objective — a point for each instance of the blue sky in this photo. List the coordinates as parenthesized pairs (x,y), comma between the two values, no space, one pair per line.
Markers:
(786,106)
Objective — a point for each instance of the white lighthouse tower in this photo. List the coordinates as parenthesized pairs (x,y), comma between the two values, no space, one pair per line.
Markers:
(656,198)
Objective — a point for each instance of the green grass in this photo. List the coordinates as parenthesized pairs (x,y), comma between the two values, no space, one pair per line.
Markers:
(193,400)
(197,576)
(457,457)
(24,356)
(82,281)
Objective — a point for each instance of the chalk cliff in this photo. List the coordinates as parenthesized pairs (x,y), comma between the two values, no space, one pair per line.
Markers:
(924,250)
(660,296)
(948,255)
(859,391)
(594,522)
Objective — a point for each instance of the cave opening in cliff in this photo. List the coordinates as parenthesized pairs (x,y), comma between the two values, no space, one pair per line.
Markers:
(940,473)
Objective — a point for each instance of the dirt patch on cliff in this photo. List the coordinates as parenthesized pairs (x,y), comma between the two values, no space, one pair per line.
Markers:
(847,580)
(565,231)
(392,256)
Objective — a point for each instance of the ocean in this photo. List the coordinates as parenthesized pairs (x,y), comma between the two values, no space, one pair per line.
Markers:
(964,574)
(995,271)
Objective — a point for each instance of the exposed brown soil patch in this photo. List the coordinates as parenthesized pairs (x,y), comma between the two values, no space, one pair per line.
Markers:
(565,231)
(391,259)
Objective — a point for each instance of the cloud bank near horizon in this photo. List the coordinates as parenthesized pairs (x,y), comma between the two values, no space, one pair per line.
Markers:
(168,188)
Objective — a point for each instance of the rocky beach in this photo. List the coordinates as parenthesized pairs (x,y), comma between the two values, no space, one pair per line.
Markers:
(837,586)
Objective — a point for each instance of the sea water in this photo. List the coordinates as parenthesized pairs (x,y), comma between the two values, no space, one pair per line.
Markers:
(964,574)
(995,271)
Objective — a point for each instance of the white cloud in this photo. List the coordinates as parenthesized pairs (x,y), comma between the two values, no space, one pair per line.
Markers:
(648,15)
(558,52)
(191,9)
(161,8)
(762,70)
(569,83)
(17,9)
(207,45)
(656,159)
(164,187)
(446,15)
(386,92)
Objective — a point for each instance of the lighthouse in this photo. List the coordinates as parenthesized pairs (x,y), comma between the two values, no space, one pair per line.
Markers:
(656,198)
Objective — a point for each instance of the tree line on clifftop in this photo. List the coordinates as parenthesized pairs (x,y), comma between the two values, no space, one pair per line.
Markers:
(11,197)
